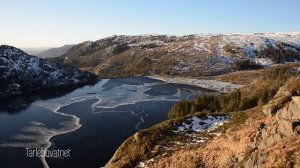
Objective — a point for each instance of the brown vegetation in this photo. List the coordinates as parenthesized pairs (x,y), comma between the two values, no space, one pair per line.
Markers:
(270,81)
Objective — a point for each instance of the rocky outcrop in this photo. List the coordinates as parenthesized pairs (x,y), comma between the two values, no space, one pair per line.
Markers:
(276,136)
(21,73)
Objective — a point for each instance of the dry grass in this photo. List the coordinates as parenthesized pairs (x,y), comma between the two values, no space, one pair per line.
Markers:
(239,77)
(222,151)
(151,142)
(235,146)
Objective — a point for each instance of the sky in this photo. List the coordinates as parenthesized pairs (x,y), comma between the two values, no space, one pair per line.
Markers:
(53,23)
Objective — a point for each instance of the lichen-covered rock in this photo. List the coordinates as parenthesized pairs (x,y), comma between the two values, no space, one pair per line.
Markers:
(289,117)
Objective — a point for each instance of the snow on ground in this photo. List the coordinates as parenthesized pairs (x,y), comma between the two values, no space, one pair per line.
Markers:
(241,40)
(147,42)
(291,37)
(191,128)
(219,49)
(201,47)
(220,55)
(215,85)
(263,61)
(196,124)
(141,164)
(34,72)
(250,50)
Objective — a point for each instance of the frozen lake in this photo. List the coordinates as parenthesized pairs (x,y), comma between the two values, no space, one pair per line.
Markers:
(91,121)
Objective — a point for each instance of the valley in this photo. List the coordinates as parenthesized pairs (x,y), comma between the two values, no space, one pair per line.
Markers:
(151,101)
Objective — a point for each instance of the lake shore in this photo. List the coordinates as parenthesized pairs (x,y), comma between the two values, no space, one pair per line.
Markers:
(215,85)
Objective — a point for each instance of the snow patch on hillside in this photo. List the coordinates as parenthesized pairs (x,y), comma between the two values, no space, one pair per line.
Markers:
(292,38)
(147,42)
(263,61)
(250,50)
(207,123)
(200,47)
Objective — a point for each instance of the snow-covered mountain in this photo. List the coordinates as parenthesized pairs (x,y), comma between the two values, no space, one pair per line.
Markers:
(292,37)
(189,55)
(21,73)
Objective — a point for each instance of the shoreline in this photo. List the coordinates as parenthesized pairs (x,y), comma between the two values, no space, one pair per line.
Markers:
(223,87)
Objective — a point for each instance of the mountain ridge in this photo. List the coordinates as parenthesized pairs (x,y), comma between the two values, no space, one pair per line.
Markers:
(190,55)
(21,73)
(54,52)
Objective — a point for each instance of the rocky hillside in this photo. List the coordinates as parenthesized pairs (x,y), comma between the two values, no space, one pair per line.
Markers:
(264,135)
(54,52)
(191,55)
(268,139)
(276,142)
(21,73)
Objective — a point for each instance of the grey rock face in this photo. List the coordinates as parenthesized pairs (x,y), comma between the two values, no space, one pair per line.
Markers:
(284,116)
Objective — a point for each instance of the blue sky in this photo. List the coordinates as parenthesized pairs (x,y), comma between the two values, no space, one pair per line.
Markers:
(50,23)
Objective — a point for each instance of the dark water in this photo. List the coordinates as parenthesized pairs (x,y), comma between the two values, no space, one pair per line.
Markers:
(91,121)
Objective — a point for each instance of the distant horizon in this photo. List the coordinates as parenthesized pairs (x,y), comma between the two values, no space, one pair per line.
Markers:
(49,47)
(54,23)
